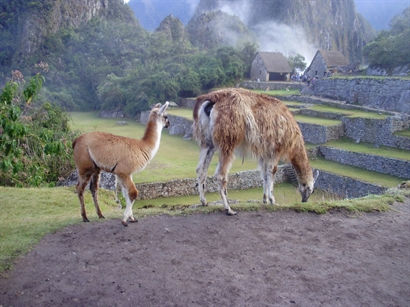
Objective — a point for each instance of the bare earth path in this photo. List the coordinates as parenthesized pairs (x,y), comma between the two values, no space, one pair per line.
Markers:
(253,259)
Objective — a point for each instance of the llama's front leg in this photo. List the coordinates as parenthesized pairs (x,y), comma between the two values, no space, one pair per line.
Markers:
(263,169)
(225,161)
(205,159)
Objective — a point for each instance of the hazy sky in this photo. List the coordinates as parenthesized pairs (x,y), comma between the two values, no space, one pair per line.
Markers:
(380,12)
(151,12)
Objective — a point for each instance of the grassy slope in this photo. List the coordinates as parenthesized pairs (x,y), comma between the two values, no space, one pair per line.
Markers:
(383,151)
(27,214)
(350,113)
(169,163)
(317,121)
(405,133)
(357,173)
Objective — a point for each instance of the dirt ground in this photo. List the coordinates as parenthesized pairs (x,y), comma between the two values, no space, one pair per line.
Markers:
(252,259)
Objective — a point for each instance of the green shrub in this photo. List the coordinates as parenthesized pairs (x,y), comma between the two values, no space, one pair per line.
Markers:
(35,141)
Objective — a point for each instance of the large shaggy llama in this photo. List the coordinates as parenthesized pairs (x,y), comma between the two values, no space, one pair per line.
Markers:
(239,120)
(122,156)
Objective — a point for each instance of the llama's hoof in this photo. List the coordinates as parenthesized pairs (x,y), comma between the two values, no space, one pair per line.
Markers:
(230,212)
(133,220)
(125,224)
(85,220)
(101,217)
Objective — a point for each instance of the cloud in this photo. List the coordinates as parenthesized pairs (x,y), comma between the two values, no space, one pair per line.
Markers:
(289,40)
(240,8)
(271,36)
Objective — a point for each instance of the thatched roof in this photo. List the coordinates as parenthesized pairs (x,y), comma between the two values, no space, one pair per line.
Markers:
(275,62)
(333,58)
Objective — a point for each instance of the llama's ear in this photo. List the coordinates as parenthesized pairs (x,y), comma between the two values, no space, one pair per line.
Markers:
(164,107)
(156,106)
(315,176)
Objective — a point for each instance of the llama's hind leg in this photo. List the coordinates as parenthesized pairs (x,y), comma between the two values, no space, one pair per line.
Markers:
(83,179)
(117,186)
(95,178)
(130,193)
(225,162)
(205,159)
(268,172)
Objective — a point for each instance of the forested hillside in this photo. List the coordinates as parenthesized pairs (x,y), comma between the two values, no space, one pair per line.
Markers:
(99,57)
(391,49)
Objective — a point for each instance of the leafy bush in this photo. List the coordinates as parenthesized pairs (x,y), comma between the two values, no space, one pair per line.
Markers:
(35,141)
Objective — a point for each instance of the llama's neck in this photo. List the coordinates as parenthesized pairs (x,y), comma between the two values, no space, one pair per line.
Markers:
(152,136)
(300,162)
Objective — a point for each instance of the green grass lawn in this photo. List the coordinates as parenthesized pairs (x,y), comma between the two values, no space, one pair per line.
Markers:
(182,112)
(405,133)
(27,214)
(357,173)
(169,163)
(278,92)
(317,121)
(350,113)
(366,148)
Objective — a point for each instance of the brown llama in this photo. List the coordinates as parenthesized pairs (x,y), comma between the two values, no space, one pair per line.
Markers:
(239,120)
(121,156)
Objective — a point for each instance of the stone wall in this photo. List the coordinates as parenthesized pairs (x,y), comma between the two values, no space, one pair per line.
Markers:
(180,187)
(180,126)
(317,134)
(273,85)
(384,165)
(385,94)
(187,102)
(258,69)
(377,131)
(346,187)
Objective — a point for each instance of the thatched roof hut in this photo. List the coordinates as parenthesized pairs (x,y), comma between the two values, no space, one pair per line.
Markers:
(270,66)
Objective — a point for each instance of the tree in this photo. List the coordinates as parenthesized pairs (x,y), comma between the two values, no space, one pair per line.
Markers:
(297,63)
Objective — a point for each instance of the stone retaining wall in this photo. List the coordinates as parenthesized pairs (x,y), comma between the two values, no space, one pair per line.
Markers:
(377,131)
(384,165)
(317,134)
(180,187)
(346,187)
(272,85)
(385,94)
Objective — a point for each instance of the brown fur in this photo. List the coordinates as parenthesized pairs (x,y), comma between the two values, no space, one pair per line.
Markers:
(122,156)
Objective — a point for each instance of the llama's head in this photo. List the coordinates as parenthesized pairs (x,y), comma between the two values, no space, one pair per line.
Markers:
(307,188)
(158,114)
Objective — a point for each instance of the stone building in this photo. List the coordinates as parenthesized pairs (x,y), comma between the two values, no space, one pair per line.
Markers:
(270,66)
(325,63)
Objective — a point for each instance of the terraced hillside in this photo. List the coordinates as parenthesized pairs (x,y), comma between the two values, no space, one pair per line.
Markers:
(359,150)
